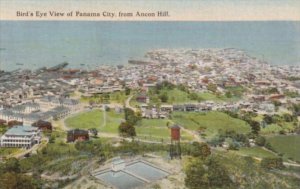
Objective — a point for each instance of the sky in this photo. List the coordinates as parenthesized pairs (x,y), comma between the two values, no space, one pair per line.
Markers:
(193,10)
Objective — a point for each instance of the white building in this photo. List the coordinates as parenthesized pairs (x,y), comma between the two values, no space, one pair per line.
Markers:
(21,137)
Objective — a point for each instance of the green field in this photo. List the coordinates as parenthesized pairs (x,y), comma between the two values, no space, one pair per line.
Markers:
(157,128)
(255,152)
(113,120)
(209,96)
(212,121)
(86,120)
(176,96)
(95,119)
(286,145)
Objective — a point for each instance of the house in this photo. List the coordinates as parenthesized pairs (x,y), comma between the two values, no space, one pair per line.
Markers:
(43,125)
(2,122)
(77,134)
(14,123)
(142,98)
(166,108)
(21,137)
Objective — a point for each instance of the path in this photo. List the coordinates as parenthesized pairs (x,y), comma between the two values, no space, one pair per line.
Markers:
(127,103)
(104,116)
(193,133)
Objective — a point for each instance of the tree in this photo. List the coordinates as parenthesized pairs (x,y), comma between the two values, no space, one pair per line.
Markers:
(260,141)
(255,126)
(209,173)
(127,130)
(193,96)
(268,119)
(272,163)
(164,97)
(200,150)
(288,117)
(12,165)
(127,91)
(217,173)
(131,117)
(195,175)
(16,181)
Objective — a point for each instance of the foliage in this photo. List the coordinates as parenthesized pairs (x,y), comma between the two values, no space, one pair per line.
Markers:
(12,178)
(255,126)
(272,163)
(93,147)
(130,116)
(201,150)
(260,141)
(209,173)
(127,91)
(127,130)
(164,97)
(212,87)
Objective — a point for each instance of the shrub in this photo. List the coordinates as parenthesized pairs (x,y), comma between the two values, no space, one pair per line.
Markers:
(272,163)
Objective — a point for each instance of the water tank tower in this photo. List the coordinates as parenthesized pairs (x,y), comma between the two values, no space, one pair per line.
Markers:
(175,150)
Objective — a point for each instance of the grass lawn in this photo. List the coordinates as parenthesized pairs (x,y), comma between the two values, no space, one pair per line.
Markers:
(157,128)
(255,152)
(176,96)
(212,121)
(94,119)
(113,121)
(287,145)
(153,127)
(86,120)
(209,96)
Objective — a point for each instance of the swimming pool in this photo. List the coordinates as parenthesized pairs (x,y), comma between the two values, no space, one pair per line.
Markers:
(134,175)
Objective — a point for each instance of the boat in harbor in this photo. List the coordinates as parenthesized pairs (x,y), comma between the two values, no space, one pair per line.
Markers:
(139,62)
(58,67)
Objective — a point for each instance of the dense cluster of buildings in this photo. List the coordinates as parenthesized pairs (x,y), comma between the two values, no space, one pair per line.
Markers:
(27,97)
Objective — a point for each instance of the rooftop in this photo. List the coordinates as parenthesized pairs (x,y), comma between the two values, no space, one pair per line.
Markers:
(21,130)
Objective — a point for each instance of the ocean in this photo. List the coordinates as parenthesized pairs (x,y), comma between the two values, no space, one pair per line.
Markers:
(86,44)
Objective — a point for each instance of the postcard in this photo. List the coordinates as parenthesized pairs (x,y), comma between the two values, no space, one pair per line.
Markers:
(161,94)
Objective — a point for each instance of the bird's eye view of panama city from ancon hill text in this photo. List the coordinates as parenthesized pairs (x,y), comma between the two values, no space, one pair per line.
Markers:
(136,94)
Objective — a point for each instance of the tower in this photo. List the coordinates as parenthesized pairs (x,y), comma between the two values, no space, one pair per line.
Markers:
(175,150)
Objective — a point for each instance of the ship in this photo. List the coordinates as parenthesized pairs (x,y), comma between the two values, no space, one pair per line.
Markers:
(139,62)
(58,67)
